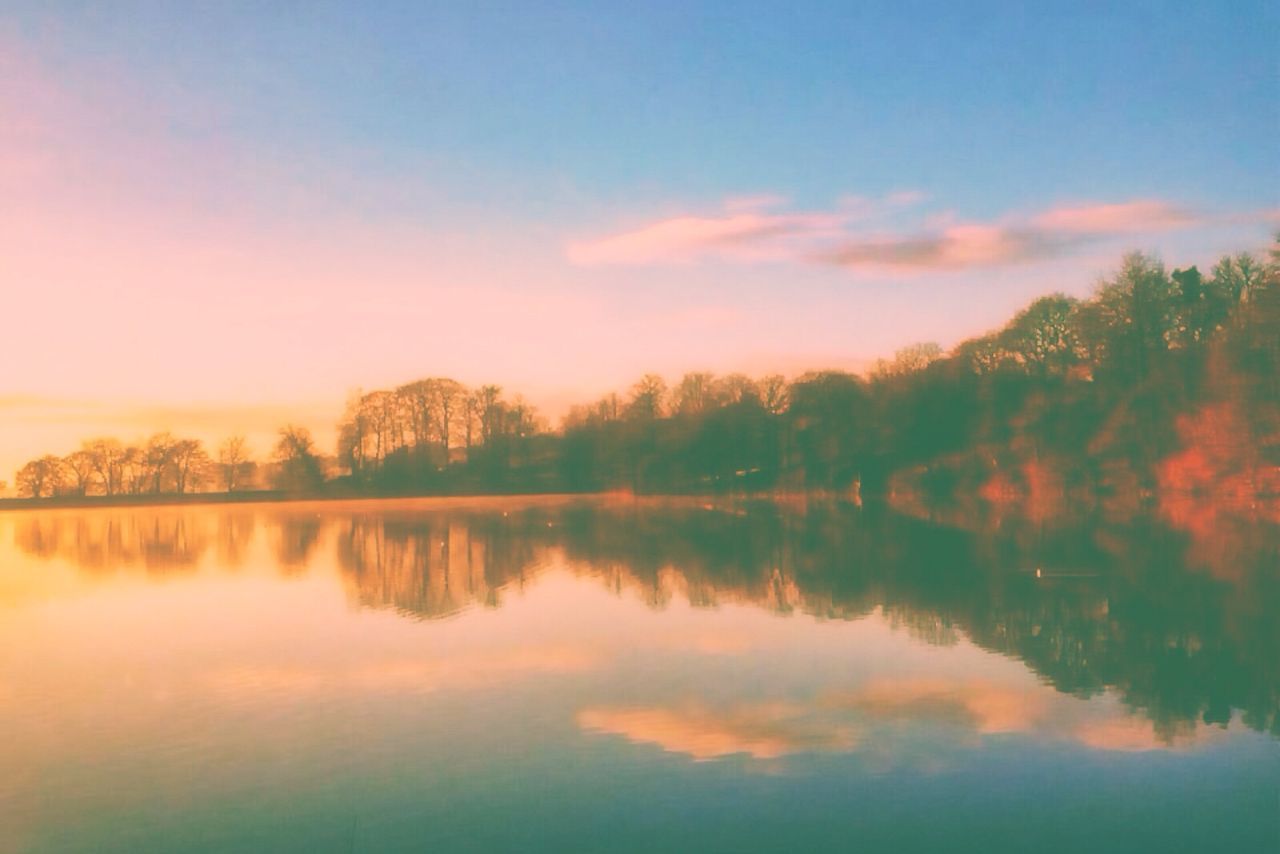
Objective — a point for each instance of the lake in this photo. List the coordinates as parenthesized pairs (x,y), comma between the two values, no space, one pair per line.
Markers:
(620,675)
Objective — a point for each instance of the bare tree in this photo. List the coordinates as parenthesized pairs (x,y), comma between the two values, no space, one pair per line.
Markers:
(134,475)
(646,397)
(190,463)
(737,388)
(774,393)
(1239,276)
(108,462)
(694,393)
(40,478)
(375,410)
(300,467)
(489,407)
(1042,336)
(449,394)
(353,431)
(608,408)
(79,465)
(158,458)
(908,360)
(471,418)
(421,405)
(233,459)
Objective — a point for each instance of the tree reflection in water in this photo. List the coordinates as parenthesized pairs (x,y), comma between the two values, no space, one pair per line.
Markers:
(1180,623)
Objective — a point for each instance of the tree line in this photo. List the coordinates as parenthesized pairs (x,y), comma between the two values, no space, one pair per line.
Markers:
(172,465)
(1099,394)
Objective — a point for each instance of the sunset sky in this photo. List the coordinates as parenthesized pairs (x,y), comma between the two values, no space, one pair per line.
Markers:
(219,217)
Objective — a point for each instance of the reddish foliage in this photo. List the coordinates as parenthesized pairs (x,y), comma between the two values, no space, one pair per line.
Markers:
(1217,480)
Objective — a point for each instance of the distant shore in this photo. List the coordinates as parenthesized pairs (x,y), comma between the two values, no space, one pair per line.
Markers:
(82,502)
(257,496)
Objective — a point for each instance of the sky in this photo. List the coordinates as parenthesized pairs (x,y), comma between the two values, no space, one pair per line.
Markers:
(218,217)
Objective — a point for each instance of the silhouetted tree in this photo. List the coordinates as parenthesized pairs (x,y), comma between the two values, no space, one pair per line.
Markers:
(233,462)
(300,469)
(41,478)
(79,465)
(109,458)
(646,398)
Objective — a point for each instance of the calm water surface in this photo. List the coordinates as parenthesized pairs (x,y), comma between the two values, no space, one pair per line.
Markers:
(528,676)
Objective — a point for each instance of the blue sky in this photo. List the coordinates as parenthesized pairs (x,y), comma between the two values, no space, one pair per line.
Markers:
(561,196)
(989,105)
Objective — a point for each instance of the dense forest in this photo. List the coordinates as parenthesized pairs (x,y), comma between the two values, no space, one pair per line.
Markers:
(1160,383)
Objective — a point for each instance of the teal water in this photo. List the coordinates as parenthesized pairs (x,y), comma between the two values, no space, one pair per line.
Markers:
(619,676)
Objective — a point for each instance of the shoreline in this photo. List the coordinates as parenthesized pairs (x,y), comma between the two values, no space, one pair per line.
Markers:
(272,497)
(87,502)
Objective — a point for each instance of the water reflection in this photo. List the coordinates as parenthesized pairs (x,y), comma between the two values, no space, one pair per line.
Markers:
(158,542)
(261,677)
(884,717)
(435,565)
(1088,609)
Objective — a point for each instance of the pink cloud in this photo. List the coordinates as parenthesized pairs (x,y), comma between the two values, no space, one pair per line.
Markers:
(1143,215)
(945,244)
(748,229)
(732,236)
(960,246)
(752,229)
(760,730)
